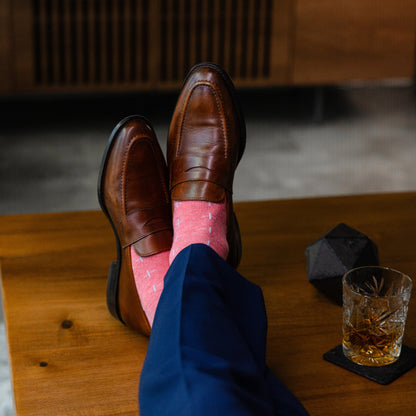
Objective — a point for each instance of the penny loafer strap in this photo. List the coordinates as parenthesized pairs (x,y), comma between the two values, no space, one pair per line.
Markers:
(206,168)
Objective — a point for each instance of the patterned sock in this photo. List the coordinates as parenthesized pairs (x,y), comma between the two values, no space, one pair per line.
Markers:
(149,273)
(199,222)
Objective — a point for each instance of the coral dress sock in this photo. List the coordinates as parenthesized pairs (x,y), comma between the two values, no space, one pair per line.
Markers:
(199,222)
(149,273)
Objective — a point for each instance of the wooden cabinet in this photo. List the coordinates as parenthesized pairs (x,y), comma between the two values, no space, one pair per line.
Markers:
(90,45)
(77,45)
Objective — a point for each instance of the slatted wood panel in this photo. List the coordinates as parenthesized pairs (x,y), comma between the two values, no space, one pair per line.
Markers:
(90,41)
(79,44)
(6,79)
(235,34)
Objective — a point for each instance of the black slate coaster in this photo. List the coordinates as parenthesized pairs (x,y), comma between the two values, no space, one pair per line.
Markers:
(382,375)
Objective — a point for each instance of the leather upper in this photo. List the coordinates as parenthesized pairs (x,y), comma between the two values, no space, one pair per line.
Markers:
(135,190)
(206,141)
(204,138)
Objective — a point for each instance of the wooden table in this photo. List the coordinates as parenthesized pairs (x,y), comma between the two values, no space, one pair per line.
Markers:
(70,357)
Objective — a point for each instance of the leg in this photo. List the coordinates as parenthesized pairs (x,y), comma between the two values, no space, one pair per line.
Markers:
(206,354)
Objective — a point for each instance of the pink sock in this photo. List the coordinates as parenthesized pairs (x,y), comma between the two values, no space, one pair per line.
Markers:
(199,222)
(149,273)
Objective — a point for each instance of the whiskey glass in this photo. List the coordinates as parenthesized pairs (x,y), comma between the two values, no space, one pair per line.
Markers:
(375,303)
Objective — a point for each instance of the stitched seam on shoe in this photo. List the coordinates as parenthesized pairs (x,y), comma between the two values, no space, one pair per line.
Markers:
(218,100)
(124,179)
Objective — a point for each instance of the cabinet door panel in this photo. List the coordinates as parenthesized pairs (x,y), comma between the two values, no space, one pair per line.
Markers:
(339,40)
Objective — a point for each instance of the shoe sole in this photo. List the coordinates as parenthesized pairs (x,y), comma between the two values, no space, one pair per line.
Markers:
(115,266)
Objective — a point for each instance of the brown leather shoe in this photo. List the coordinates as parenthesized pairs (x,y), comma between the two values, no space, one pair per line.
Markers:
(133,193)
(206,141)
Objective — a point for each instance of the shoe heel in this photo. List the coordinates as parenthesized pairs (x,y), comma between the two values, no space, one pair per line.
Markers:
(112,289)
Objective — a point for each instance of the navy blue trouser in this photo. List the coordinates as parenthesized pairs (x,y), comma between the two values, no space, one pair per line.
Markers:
(206,353)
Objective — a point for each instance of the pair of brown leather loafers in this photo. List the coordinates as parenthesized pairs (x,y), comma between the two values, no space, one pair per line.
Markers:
(136,187)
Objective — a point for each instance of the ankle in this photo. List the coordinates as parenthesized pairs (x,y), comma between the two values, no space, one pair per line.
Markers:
(149,273)
(199,222)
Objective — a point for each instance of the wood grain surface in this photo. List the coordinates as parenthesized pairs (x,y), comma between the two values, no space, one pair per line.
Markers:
(338,41)
(70,357)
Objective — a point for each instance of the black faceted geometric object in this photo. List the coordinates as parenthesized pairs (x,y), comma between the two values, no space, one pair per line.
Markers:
(331,256)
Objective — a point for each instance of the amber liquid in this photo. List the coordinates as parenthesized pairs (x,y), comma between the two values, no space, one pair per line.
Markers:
(371,345)
(374,316)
